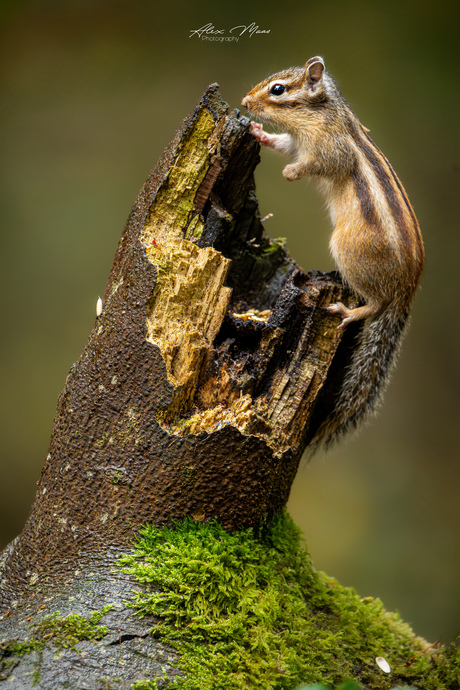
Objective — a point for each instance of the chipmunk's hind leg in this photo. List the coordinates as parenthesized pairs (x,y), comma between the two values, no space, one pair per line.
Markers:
(349,315)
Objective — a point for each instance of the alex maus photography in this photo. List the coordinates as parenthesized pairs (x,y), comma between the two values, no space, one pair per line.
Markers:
(209,33)
(229,400)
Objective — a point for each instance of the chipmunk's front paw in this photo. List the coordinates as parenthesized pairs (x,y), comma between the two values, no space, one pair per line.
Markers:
(293,171)
(262,137)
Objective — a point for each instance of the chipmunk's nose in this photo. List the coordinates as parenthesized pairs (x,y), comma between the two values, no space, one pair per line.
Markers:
(245,101)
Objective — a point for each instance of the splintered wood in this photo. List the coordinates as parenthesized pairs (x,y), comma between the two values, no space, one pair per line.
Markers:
(186,310)
(230,364)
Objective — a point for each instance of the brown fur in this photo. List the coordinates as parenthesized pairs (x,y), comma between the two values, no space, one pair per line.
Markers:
(376,240)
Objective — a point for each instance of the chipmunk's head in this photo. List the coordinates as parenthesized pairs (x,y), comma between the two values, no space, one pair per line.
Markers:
(277,98)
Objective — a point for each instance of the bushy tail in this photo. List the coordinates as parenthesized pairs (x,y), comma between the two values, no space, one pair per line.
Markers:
(367,375)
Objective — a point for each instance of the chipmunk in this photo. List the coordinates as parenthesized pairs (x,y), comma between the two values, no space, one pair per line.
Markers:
(376,241)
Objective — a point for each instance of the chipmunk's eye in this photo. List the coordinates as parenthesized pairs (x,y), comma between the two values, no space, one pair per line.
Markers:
(277,89)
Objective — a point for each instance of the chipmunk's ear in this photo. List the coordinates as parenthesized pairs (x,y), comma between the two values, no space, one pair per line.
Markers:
(314,69)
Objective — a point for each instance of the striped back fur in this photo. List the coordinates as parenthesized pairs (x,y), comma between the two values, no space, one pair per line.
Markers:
(376,240)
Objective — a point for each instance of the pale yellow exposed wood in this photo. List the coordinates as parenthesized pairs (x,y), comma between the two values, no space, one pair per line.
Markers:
(189,304)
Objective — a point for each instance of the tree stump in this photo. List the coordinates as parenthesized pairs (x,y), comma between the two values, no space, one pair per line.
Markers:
(207,372)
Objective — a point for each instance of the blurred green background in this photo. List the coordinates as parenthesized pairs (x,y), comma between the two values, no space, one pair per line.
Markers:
(92,91)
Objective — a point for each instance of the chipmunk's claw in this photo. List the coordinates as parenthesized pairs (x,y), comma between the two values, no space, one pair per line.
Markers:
(259,134)
(341,309)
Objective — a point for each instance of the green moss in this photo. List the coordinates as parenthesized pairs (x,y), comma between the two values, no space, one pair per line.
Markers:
(146,685)
(195,228)
(348,685)
(251,612)
(61,632)
(174,204)
(67,632)
(275,245)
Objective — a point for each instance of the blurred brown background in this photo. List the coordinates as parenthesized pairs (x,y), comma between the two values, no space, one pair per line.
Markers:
(92,91)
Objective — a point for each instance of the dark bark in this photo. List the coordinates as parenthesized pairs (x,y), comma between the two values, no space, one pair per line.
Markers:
(184,401)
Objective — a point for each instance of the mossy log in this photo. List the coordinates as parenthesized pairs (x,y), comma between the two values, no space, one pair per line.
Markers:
(209,367)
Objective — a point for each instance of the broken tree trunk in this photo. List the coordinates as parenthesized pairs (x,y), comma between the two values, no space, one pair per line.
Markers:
(209,368)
